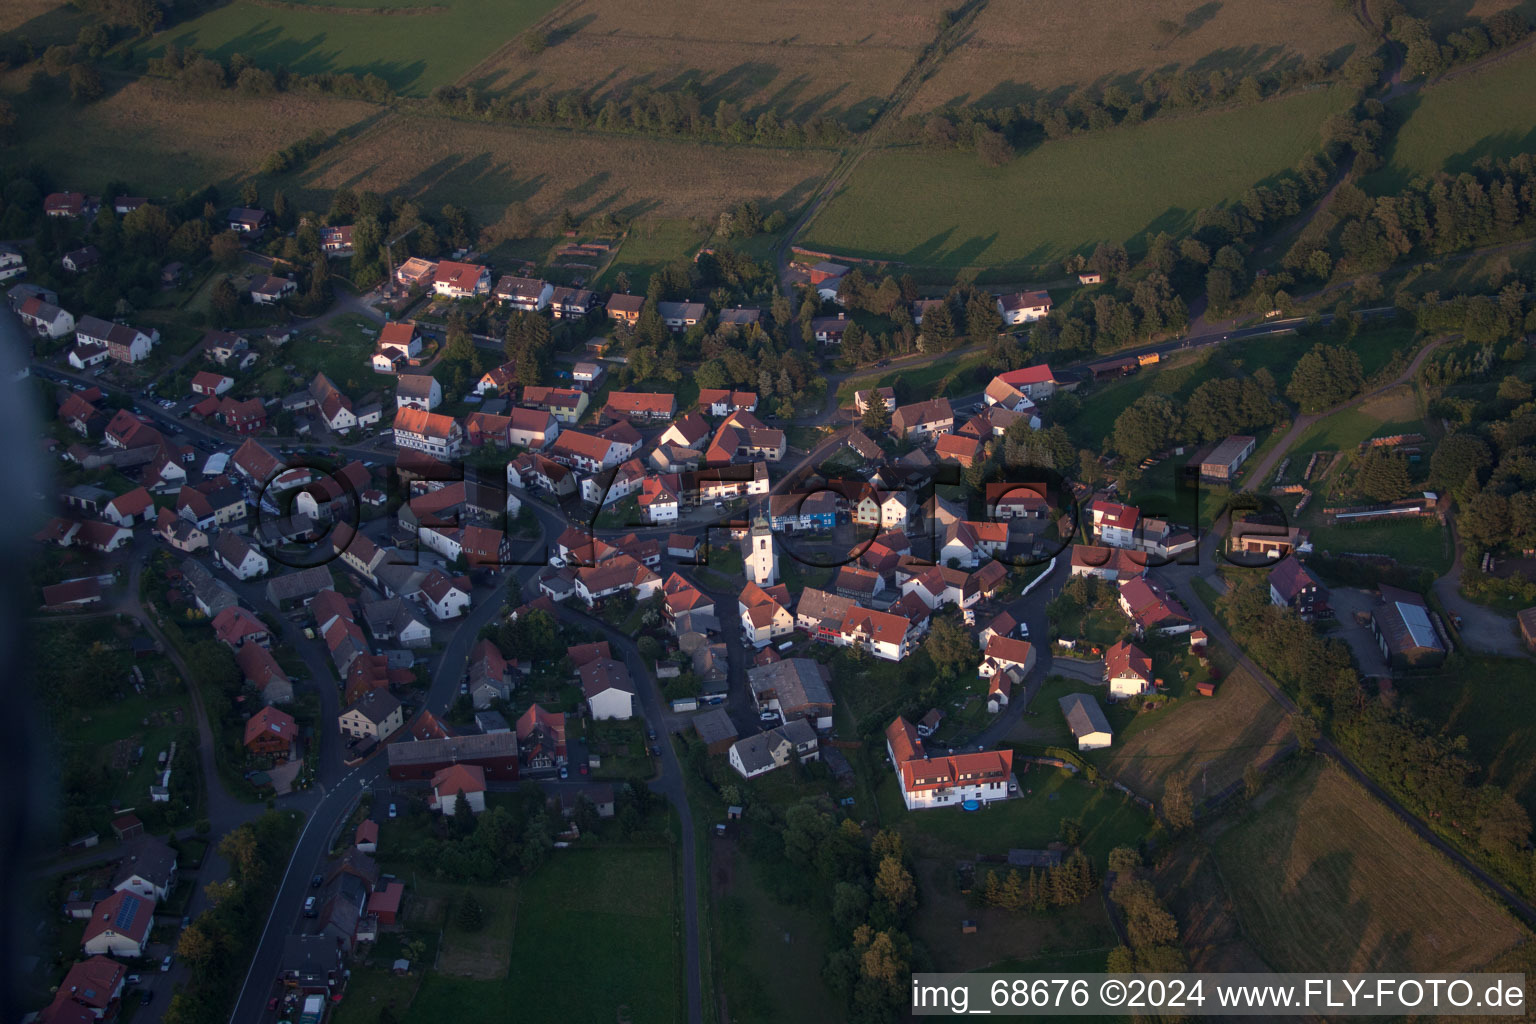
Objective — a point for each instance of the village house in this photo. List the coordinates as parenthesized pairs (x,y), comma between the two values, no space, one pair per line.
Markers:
(829,330)
(1024,307)
(119,926)
(248,220)
(419,430)
(882,634)
(70,204)
(607,688)
(625,308)
(759,754)
(689,431)
(541,738)
(1292,585)
(1151,610)
(266,290)
(567,405)
(922,420)
(416,272)
(679,316)
(569,303)
(1127,670)
(863,399)
(398,344)
(271,731)
(524,293)
(78,261)
(418,391)
(45,318)
(458,782)
(794,689)
(122,343)
(532,428)
(640,405)
(336,240)
(1112,564)
(238,556)
(376,716)
(764,613)
(945,781)
(461,280)
(1035,383)
(722,402)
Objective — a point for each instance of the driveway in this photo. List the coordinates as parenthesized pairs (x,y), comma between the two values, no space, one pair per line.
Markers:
(1346,601)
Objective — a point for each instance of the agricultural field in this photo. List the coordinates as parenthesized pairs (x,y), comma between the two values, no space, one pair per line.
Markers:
(1018,52)
(486,167)
(1323,877)
(415,47)
(1111,186)
(40,22)
(1452,124)
(177,141)
(787,57)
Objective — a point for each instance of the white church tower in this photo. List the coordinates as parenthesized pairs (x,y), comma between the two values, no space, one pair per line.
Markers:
(762,561)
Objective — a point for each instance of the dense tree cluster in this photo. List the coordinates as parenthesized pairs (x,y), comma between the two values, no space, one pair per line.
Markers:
(1426,56)
(1064,885)
(682,111)
(1324,377)
(996,133)
(219,943)
(197,72)
(1443,213)
(1153,932)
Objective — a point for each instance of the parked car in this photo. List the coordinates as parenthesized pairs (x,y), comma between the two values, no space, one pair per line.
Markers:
(310,908)
(650,733)
(165,965)
(147,996)
(317,881)
(273,1004)
(132,979)
(392,811)
(564,772)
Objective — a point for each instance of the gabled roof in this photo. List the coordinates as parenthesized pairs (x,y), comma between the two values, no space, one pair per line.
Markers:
(123,913)
(1038,374)
(1125,660)
(1004,649)
(269,721)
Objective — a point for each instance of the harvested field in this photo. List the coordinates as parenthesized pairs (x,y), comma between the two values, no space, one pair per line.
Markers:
(1020,52)
(1121,185)
(787,57)
(1216,737)
(1324,877)
(161,140)
(415,48)
(34,19)
(1450,125)
(486,167)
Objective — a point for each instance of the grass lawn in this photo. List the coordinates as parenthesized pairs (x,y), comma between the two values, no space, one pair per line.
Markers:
(1122,185)
(1422,542)
(1049,796)
(621,745)
(1394,412)
(1323,877)
(947,377)
(1078,937)
(1451,125)
(604,912)
(1491,703)
(414,50)
(647,247)
(341,352)
(765,941)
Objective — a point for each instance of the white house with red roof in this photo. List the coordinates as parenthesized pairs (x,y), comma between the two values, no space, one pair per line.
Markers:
(945,781)
(458,782)
(461,280)
(119,925)
(127,509)
(1127,670)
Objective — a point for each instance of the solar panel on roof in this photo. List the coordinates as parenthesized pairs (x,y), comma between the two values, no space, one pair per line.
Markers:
(1417,621)
(126,912)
